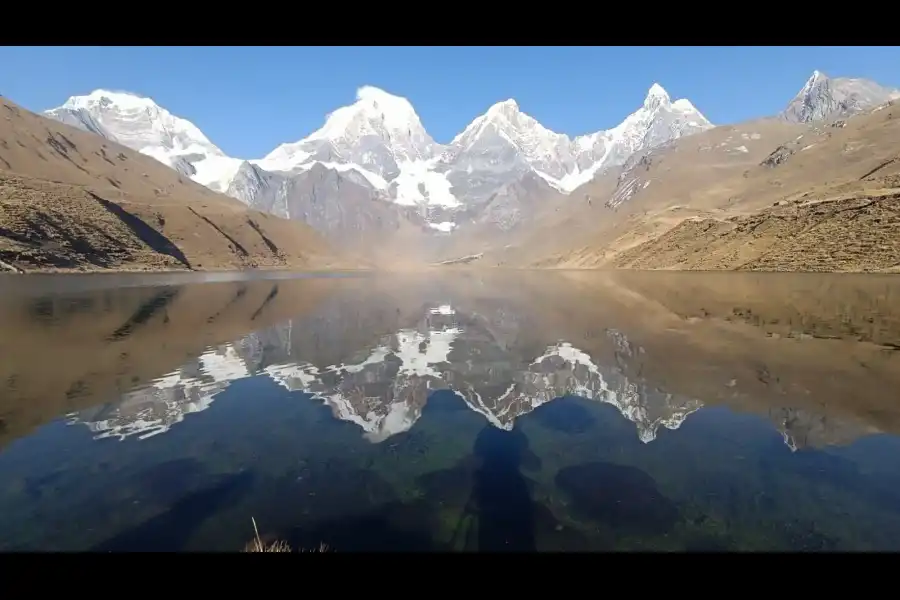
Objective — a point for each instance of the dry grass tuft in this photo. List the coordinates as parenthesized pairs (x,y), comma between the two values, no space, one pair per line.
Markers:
(257,545)
(276,546)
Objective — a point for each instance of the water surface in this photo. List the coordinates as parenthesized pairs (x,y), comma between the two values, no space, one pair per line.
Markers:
(471,411)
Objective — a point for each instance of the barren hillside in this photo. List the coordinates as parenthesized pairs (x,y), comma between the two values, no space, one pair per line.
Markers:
(763,195)
(71,200)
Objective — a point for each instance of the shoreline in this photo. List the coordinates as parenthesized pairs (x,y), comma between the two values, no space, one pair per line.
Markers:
(425,269)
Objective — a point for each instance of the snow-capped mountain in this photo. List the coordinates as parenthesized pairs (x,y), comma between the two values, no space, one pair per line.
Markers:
(825,98)
(379,136)
(506,136)
(379,148)
(372,168)
(658,121)
(141,124)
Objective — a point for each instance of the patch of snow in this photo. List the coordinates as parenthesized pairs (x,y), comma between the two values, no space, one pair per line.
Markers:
(685,105)
(285,157)
(444,309)
(419,173)
(287,375)
(445,226)
(216,172)
(224,366)
(578,177)
(437,345)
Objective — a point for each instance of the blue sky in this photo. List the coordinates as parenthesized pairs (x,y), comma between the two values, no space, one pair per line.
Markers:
(248,100)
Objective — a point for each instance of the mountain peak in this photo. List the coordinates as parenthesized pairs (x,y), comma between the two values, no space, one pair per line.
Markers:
(371,97)
(375,113)
(815,79)
(509,105)
(507,120)
(823,98)
(657,90)
(656,96)
(378,133)
(141,124)
(103,97)
(135,121)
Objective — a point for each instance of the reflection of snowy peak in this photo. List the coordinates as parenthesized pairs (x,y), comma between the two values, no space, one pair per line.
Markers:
(384,392)
(802,429)
(371,394)
(565,370)
(483,353)
(384,389)
(151,410)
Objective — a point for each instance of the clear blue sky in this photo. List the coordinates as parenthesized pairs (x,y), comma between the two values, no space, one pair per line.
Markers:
(248,100)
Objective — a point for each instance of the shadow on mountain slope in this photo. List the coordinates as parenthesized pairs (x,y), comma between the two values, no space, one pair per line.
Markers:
(157,241)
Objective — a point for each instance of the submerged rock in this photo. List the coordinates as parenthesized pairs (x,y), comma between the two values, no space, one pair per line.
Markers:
(621,497)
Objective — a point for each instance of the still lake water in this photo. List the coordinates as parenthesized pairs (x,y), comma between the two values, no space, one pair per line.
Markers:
(466,411)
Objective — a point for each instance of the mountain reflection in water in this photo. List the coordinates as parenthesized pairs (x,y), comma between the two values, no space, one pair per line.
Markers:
(461,411)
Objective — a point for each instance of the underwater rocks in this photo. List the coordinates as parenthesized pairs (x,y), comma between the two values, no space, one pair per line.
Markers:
(621,497)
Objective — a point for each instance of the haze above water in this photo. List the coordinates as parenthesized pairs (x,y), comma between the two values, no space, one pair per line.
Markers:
(471,411)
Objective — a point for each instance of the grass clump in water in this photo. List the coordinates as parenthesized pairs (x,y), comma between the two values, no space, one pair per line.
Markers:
(257,545)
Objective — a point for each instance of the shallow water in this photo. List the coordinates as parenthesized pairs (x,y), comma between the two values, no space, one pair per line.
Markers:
(468,412)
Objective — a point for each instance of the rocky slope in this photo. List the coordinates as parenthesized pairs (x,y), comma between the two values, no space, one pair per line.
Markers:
(845,234)
(706,202)
(824,98)
(71,200)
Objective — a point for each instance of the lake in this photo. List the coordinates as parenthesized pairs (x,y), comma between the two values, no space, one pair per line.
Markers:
(452,411)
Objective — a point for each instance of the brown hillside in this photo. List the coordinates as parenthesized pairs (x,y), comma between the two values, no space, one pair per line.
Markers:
(70,200)
(724,183)
(695,171)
